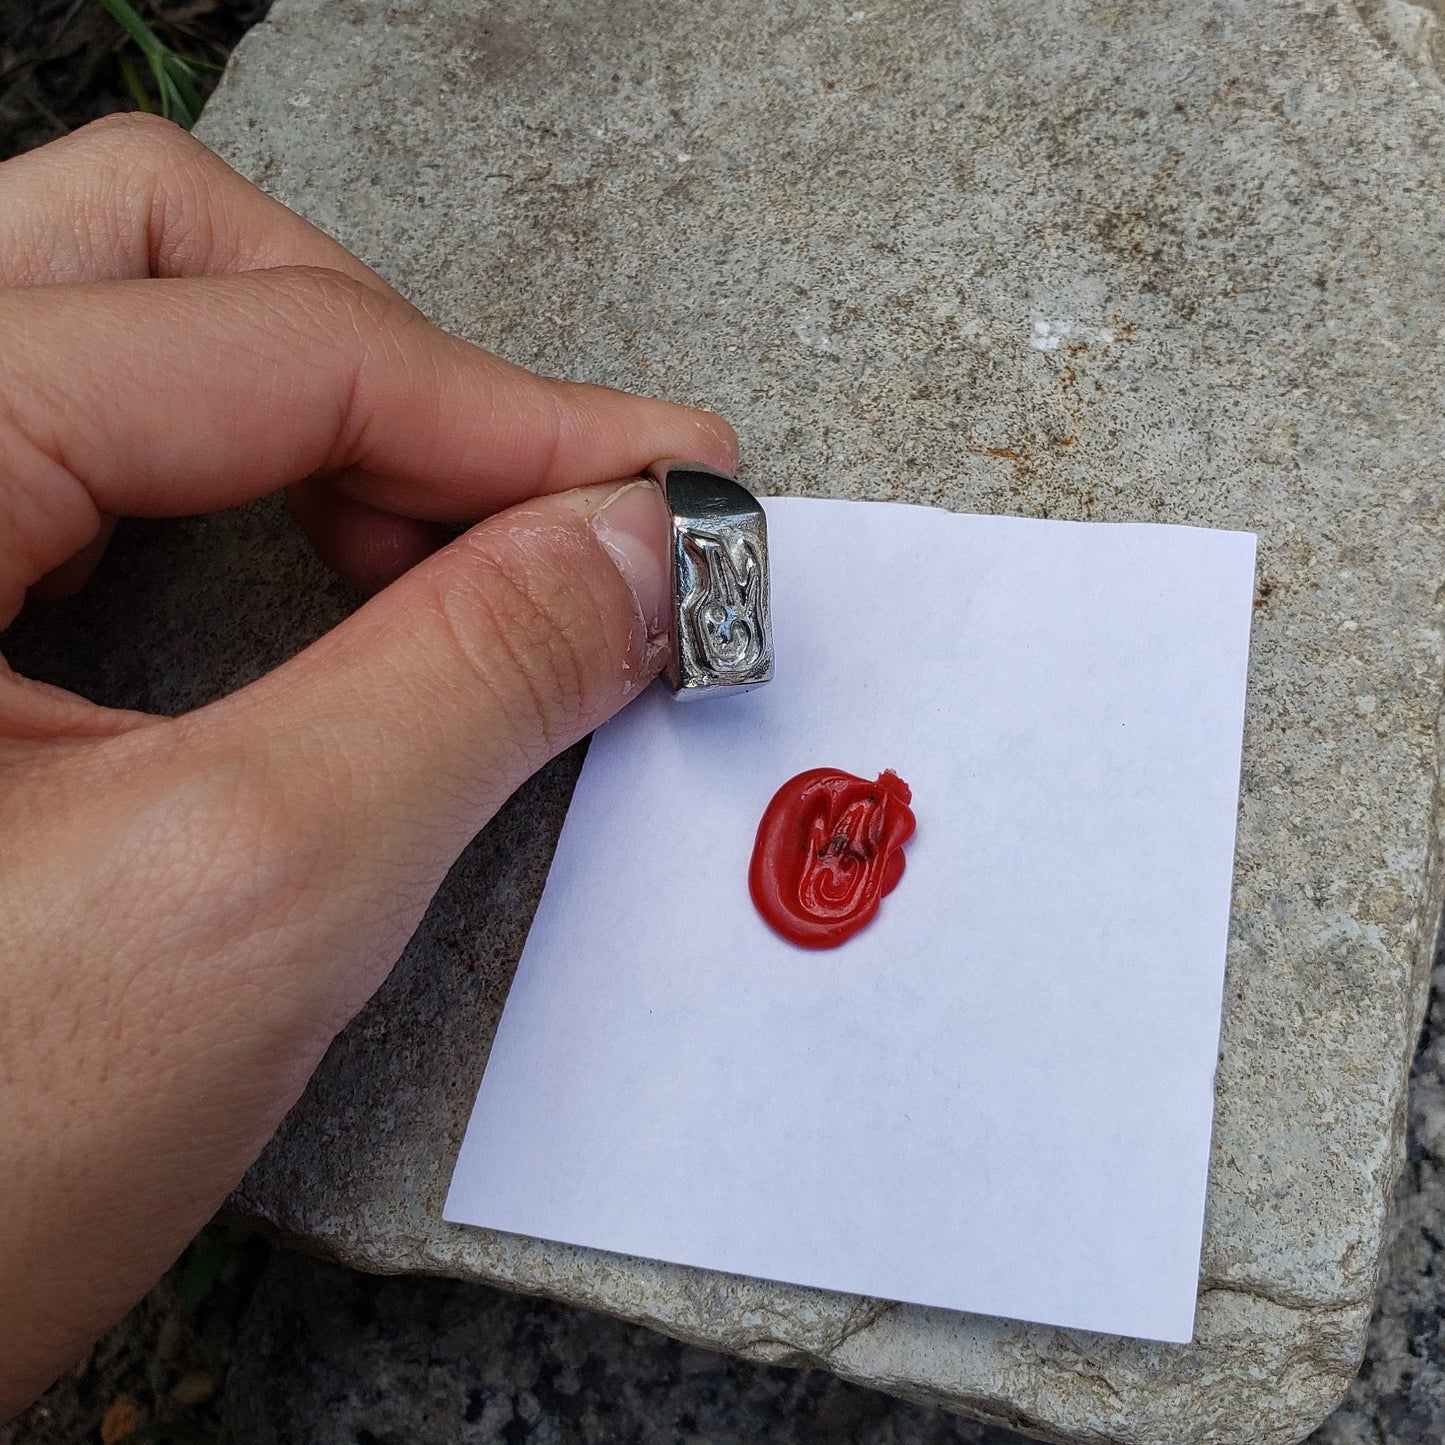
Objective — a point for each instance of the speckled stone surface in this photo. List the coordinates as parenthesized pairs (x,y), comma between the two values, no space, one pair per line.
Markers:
(1398,1398)
(1182,261)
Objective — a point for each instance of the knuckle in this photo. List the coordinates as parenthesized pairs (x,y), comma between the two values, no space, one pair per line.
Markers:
(357,319)
(333,292)
(357,326)
(525,632)
(138,134)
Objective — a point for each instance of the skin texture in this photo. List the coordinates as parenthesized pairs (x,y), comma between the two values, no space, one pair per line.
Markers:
(192,908)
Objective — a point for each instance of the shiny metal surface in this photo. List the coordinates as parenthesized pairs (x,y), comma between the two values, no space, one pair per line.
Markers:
(720,632)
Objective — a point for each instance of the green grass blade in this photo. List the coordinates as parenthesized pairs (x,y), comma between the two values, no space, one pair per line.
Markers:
(175,77)
(163,86)
(133,86)
(184,80)
(180,110)
(129,21)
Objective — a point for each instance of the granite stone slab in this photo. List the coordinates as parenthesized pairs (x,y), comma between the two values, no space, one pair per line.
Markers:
(1181,261)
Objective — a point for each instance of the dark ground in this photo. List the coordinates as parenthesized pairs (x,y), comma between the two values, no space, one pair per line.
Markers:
(60,59)
(242,1343)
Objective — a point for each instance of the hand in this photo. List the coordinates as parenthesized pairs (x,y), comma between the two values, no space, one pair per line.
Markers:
(191,908)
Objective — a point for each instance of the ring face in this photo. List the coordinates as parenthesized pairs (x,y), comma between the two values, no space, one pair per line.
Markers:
(720,631)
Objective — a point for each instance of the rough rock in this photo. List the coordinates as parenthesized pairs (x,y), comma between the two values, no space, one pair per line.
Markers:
(332,1357)
(1399,1394)
(1182,261)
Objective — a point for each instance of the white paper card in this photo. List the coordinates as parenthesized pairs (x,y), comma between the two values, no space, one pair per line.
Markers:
(998,1096)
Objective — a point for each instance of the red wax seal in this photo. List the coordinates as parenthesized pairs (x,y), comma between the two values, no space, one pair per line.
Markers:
(829,847)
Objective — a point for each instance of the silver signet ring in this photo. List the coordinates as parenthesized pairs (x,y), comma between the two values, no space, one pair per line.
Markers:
(720,631)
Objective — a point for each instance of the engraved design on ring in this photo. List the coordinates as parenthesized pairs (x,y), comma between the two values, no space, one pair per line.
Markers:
(720,635)
(725,605)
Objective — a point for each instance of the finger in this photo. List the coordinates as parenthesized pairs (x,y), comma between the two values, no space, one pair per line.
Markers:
(132,196)
(36,712)
(387,744)
(366,547)
(238,385)
(71,575)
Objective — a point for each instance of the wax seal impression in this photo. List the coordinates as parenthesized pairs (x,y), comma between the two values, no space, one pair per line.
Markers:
(720,631)
(829,849)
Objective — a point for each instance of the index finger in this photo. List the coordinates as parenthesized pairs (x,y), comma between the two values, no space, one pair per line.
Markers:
(237,385)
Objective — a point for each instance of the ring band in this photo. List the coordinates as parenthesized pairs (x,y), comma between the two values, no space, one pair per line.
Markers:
(720,629)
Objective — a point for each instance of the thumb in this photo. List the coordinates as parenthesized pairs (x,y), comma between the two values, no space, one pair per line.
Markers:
(417,717)
(394,738)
